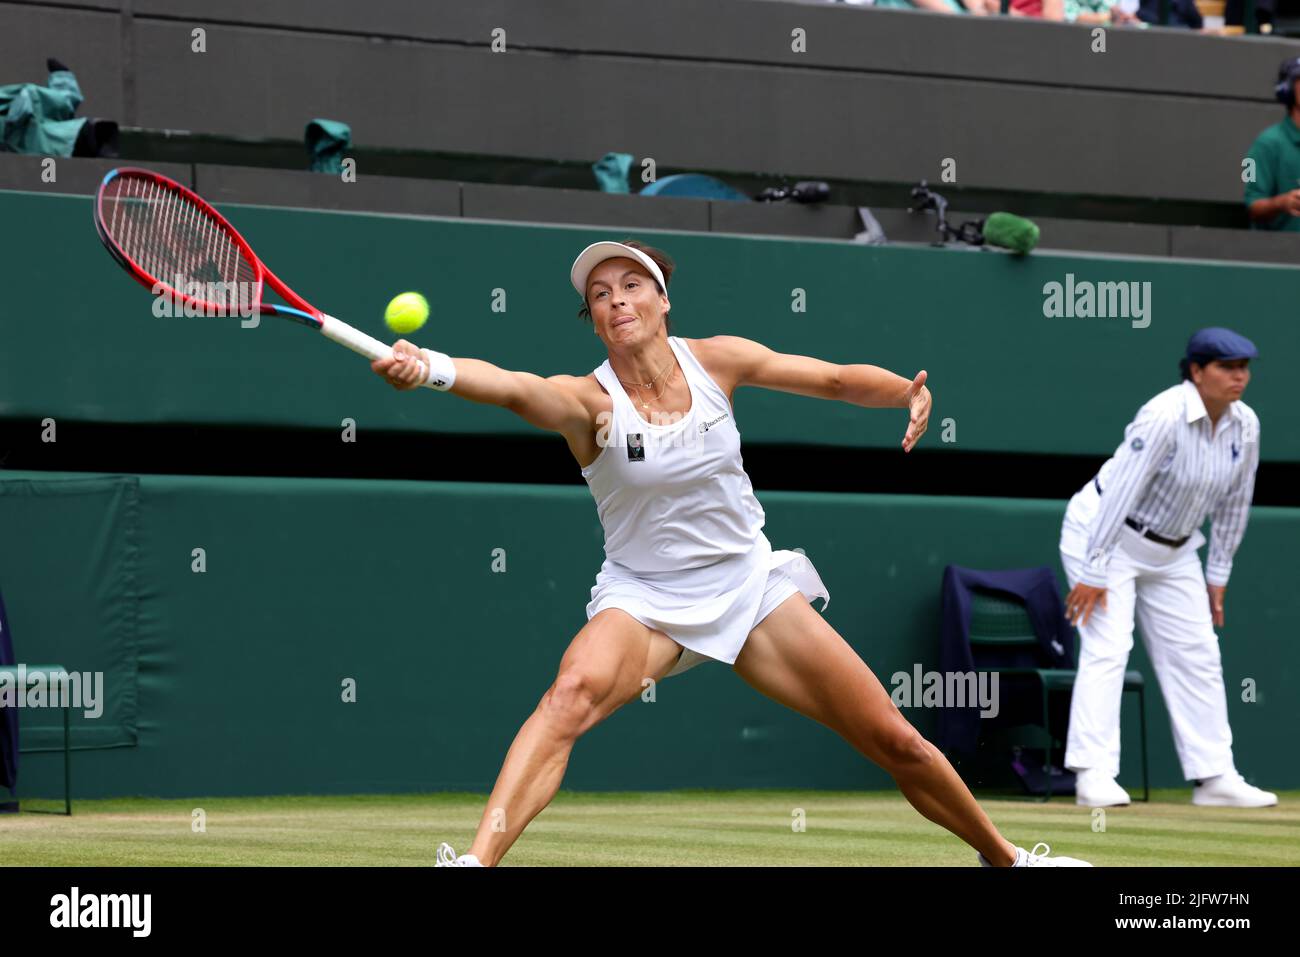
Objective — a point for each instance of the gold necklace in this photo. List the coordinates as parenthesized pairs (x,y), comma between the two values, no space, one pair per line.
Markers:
(646,385)
(656,398)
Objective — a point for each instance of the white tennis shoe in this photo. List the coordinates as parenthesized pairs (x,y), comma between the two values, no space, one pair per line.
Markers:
(1231,790)
(1096,788)
(1034,859)
(447,858)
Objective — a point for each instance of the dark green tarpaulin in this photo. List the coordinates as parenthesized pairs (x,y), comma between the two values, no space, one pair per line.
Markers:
(71,577)
(327,140)
(39,120)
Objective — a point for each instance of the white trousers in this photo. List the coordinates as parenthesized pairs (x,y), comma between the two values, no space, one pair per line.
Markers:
(1166,588)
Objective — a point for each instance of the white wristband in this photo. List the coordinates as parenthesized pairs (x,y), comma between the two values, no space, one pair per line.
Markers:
(442,371)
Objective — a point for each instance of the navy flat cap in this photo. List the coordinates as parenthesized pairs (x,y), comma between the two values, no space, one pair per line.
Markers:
(1218,343)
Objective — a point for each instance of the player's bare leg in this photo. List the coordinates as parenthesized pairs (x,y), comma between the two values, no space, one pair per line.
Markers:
(795,657)
(603,668)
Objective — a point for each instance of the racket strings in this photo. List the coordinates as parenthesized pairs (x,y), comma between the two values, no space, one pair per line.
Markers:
(179,243)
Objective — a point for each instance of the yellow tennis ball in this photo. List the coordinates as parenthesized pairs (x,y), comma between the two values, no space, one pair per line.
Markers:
(406,312)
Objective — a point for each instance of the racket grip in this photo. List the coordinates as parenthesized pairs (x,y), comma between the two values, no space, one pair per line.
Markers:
(370,347)
(353,338)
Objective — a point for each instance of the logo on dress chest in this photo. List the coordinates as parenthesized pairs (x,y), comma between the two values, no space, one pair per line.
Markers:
(705,426)
(690,442)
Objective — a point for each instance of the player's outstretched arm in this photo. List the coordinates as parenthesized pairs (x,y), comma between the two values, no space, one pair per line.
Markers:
(752,363)
(550,404)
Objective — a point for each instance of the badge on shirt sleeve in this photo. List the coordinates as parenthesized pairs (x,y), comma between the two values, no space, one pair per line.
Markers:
(635,450)
(1137,445)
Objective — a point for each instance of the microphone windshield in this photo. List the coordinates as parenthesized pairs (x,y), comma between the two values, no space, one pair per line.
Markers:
(1011,232)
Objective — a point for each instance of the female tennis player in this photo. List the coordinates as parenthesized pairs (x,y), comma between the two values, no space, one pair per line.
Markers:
(689,575)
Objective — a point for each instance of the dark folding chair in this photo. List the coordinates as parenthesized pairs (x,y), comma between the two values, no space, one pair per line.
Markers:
(1000,631)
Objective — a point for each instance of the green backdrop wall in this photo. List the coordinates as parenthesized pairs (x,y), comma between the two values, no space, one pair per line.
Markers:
(78,339)
(229,681)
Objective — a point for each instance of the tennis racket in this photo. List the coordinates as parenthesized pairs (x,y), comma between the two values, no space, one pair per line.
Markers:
(175,244)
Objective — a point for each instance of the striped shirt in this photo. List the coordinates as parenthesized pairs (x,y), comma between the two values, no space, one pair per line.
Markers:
(1172,471)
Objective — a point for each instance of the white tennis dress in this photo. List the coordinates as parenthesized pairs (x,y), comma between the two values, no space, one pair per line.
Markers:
(684,546)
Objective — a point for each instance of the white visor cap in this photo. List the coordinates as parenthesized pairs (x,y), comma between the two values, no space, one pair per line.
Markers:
(597,253)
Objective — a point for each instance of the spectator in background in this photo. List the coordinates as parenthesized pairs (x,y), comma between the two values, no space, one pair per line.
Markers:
(976,7)
(1234,12)
(1182,13)
(1043,9)
(1102,12)
(1097,12)
(1272,197)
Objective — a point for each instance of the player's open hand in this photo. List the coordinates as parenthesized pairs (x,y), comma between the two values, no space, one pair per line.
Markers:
(918,402)
(405,370)
(1080,602)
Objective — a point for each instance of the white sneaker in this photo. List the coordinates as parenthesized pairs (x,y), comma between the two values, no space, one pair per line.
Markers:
(1096,788)
(1231,790)
(1034,859)
(447,858)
